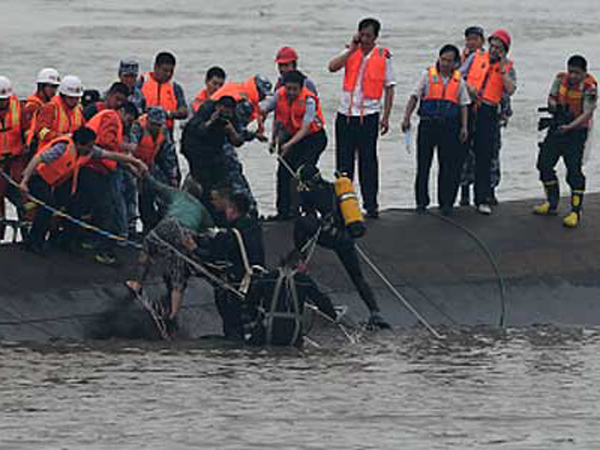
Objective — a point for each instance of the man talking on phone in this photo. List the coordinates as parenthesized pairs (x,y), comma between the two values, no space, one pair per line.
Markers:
(368,79)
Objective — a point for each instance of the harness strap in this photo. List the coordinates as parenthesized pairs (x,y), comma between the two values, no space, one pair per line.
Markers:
(245,283)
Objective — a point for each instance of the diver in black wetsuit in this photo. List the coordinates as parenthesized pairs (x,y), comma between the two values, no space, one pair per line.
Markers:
(320,209)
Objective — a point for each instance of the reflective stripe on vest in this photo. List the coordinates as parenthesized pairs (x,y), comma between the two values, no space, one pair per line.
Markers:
(148,148)
(65,167)
(96,124)
(66,120)
(572,96)
(486,78)
(11,140)
(373,80)
(291,115)
(159,94)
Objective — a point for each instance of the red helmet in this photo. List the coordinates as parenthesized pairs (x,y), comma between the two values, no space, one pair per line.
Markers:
(286,55)
(503,36)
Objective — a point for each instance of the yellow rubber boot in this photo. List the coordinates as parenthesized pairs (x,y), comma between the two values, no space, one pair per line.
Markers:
(572,220)
(545,209)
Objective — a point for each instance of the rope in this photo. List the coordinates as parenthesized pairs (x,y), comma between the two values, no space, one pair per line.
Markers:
(82,224)
(394,291)
(492,260)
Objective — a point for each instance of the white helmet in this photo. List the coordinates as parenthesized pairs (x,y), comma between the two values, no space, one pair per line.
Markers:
(48,76)
(5,88)
(71,86)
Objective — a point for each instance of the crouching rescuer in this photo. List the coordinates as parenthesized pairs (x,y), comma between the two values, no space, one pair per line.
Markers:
(572,102)
(331,215)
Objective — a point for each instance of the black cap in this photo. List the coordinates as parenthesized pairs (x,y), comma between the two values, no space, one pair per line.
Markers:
(474,30)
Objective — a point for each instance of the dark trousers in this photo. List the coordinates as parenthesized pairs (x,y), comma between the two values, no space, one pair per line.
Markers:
(150,213)
(13,167)
(570,147)
(358,136)
(344,247)
(484,140)
(307,151)
(94,196)
(58,197)
(442,136)
(230,310)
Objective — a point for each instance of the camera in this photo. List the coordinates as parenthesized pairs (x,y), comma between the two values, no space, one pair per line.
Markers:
(224,117)
(558,116)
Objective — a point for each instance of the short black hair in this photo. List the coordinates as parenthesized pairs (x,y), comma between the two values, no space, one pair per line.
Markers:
(240,202)
(451,48)
(476,30)
(164,58)
(294,76)
(370,22)
(227,101)
(215,71)
(84,136)
(119,88)
(130,109)
(577,61)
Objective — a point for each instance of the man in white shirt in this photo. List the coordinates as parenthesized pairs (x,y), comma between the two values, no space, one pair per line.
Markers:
(368,79)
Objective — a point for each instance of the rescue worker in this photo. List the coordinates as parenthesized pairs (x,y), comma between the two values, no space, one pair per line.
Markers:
(573,98)
(474,43)
(204,142)
(321,214)
(298,114)
(61,115)
(185,218)
(443,98)
(154,146)
(53,176)
(214,80)
(368,78)
(13,157)
(248,94)
(47,82)
(109,126)
(159,89)
(490,77)
(287,61)
(129,71)
(115,97)
(243,246)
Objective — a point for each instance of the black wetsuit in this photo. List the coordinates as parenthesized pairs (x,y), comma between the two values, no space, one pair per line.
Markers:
(229,305)
(320,209)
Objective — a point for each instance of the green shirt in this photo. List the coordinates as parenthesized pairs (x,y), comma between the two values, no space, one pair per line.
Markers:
(183,207)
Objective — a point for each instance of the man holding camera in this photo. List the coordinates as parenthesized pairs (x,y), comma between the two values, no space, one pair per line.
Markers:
(203,141)
(572,101)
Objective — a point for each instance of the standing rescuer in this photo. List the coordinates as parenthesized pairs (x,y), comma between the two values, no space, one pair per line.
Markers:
(214,80)
(368,77)
(443,112)
(572,101)
(322,216)
(159,89)
(12,156)
(490,76)
(61,115)
(47,83)
(298,113)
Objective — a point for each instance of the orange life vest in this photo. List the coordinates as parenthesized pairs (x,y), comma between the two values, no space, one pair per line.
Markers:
(291,115)
(159,94)
(373,80)
(200,98)
(241,91)
(486,78)
(65,167)
(33,104)
(66,120)
(11,138)
(96,124)
(572,96)
(442,100)
(148,147)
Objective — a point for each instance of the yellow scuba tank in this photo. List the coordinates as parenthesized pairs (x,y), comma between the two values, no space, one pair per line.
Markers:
(349,206)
